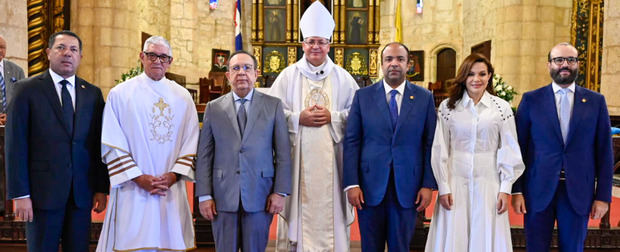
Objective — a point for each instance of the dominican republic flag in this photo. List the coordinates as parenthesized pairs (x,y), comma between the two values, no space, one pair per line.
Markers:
(238,39)
(213,4)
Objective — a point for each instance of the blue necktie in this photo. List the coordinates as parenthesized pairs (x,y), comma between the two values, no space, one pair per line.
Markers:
(393,107)
(564,112)
(3,99)
(67,106)
(241,116)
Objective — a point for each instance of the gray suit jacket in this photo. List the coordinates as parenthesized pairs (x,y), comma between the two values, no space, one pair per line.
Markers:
(230,167)
(12,74)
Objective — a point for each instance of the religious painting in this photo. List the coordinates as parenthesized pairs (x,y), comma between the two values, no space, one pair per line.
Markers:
(357,27)
(219,60)
(274,3)
(356,61)
(274,60)
(275,24)
(416,66)
(357,3)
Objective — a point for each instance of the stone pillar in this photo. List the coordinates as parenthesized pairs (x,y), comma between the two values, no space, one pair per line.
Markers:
(14,29)
(610,72)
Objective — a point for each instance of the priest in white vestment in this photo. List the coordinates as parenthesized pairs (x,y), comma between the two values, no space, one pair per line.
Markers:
(317,95)
(149,141)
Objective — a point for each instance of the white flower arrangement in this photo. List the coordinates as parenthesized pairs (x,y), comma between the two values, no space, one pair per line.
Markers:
(503,90)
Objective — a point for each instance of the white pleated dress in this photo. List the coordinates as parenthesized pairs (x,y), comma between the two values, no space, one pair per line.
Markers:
(475,156)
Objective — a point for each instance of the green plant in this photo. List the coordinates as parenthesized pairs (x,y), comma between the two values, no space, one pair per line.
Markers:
(135,71)
(503,90)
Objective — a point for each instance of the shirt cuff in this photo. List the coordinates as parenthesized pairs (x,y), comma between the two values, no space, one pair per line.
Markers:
(351,187)
(283,194)
(204,198)
(22,197)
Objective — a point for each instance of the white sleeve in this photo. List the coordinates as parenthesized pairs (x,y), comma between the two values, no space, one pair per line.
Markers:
(509,160)
(184,164)
(339,117)
(440,152)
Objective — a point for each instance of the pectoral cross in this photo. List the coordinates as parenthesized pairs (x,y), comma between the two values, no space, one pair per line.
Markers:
(161,105)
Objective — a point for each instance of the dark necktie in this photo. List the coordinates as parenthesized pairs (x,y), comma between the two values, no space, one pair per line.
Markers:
(241,116)
(3,98)
(67,106)
(393,108)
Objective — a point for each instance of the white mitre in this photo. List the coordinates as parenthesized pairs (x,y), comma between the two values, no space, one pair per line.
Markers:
(317,21)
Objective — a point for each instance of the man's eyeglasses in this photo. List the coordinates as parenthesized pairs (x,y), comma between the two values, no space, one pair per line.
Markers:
(320,42)
(153,57)
(237,68)
(560,60)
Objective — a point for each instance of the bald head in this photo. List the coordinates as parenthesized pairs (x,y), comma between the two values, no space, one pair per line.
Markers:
(561,47)
(2,47)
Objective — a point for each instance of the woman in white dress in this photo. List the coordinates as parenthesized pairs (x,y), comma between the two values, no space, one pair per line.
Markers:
(475,159)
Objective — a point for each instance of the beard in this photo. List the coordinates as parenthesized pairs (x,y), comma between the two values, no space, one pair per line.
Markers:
(564,80)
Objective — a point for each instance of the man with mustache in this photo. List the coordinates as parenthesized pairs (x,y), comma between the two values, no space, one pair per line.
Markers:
(564,135)
(316,94)
(387,151)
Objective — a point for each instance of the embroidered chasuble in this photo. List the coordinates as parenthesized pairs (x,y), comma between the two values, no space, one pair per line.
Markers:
(149,127)
(317,172)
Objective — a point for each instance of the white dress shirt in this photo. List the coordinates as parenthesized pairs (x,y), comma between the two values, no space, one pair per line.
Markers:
(399,96)
(70,87)
(557,95)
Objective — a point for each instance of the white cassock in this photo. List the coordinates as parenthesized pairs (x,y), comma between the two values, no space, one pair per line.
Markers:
(149,127)
(475,156)
(317,214)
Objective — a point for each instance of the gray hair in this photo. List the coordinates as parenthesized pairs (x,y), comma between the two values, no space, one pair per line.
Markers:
(157,40)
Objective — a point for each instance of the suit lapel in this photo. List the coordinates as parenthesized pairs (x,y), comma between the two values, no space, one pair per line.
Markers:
(551,109)
(579,108)
(80,102)
(256,108)
(49,89)
(229,108)
(381,100)
(406,105)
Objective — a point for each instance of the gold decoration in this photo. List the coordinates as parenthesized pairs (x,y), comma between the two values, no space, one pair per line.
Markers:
(357,65)
(373,62)
(289,26)
(317,96)
(261,24)
(339,56)
(254,17)
(584,100)
(587,37)
(161,123)
(292,55)
(276,62)
(44,18)
(257,54)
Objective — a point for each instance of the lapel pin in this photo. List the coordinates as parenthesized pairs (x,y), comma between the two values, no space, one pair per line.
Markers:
(82,86)
(411,97)
(584,100)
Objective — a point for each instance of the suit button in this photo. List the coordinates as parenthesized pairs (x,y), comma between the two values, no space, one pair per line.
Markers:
(238,172)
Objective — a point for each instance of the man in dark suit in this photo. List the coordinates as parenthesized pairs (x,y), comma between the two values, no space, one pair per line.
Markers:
(243,168)
(53,158)
(564,134)
(387,151)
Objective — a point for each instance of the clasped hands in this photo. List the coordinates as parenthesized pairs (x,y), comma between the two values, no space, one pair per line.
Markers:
(156,185)
(315,116)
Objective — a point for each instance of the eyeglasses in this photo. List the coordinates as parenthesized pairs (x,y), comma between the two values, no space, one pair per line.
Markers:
(312,42)
(153,57)
(62,48)
(237,68)
(560,60)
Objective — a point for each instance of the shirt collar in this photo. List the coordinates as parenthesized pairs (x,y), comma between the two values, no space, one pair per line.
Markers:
(484,100)
(557,87)
(57,78)
(401,88)
(247,97)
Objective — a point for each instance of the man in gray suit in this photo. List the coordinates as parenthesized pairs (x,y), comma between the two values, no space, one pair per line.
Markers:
(243,168)
(9,74)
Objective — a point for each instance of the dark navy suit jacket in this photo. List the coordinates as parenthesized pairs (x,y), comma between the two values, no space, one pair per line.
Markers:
(42,159)
(371,146)
(586,157)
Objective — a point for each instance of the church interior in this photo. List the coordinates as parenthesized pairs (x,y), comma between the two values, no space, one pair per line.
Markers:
(515,35)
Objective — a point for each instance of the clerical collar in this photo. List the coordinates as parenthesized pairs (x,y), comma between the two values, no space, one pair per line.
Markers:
(315,73)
